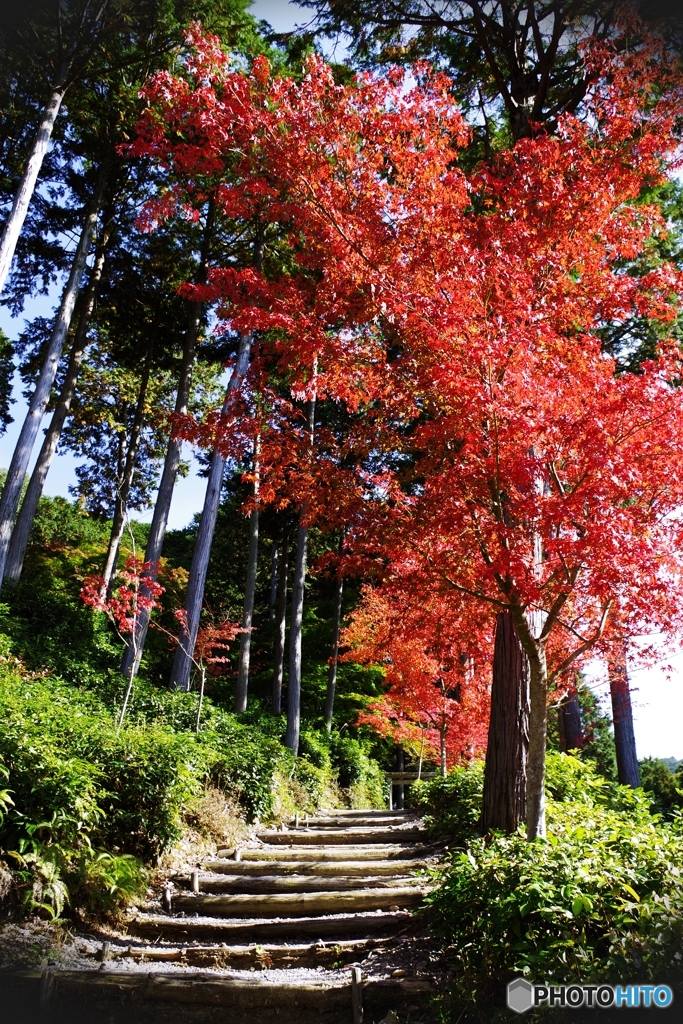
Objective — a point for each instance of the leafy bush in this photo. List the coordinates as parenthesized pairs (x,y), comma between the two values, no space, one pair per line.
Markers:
(357,772)
(451,806)
(599,899)
(663,787)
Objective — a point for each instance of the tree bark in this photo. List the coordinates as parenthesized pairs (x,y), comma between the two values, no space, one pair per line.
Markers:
(297,615)
(41,393)
(569,722)
(126,480)
(280,624)
(504,803)
(182,663)
(242,689)
(273,582)
(334,660)
(24,193)
(538,732)
(162,506)
(622,718)
(29,506)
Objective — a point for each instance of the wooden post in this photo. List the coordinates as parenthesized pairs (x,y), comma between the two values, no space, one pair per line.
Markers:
(357,995)
(238,853)
(194,879)
(47,985)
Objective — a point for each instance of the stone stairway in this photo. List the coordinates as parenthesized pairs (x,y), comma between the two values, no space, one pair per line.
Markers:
(312,920)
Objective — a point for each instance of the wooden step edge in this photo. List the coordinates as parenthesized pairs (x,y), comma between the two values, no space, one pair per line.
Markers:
(359,851)
(305,868)
(258,929)
(253,993)
(297,904)
(287,883)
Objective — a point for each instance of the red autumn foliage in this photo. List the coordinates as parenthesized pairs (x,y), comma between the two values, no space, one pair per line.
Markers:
(456,318)
(135,589)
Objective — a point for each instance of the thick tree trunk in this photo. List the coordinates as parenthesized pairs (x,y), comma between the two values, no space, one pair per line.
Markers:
(24,193)
(622,718)
(182,663)
(273,582)
(41,393)
(125,481)
(242,689)
(280,624)
(133,653)
(504,804)
(334,660)
(538,732)
(297,616)
(569,722)
(29,506)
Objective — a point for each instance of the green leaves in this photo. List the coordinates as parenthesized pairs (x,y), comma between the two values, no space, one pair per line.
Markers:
(599,899)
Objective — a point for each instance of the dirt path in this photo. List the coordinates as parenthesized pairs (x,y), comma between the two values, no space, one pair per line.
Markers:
(309,923)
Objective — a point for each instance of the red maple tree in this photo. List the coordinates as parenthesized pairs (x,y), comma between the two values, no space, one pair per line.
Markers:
(456,317)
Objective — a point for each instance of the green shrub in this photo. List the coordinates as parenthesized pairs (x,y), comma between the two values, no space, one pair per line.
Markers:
(451,806)
(663,787)
(599,899)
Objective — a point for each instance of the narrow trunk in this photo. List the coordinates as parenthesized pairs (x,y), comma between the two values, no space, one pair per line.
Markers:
(297,616)
(280,625)
(125,481)
(622,718)
(538,731)
(569,721)
(182,663)
(41,393)
(248,613)
(29,506)
(442,739)
(24,193)
(162,506)
(399,802)
(273,582)
(334,660)
(504,804)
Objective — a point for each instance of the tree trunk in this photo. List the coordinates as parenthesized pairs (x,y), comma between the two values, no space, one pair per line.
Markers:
(24,193)
(162,506)
(41,394)
(297,615)
(538,732)
(504,804)
(273,582)
(125,480)
(622,718)
(280,624)
(334,660)
(569,722)
(182,663)
(29,506)
(248,613)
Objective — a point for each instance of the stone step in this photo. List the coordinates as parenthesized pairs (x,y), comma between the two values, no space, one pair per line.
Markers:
(222,883)
(230,930)
(326,868)
(335,837)
(364,851)
(298,904)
